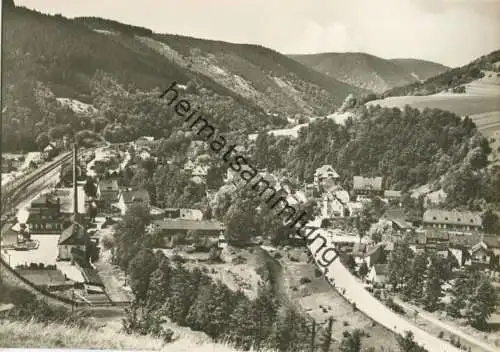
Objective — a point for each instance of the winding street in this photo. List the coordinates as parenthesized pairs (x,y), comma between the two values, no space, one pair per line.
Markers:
(365,302)
(423,314)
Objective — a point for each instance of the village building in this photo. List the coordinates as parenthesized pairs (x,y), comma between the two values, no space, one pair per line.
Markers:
(354,208)
(460,253)
(184,227)
(433,241)
(74,237)
(326,174)
(67,199)
(199,171)
(180,213)
(108,192)
(371,255)
(189,165)
(378,274)
(129,197)
(392,197)
(366,187)
(45,215)
(311,191)
(335,204)
(146,142)
(486,253)
(196,148)
(452,221)
(144,155)
(398,225)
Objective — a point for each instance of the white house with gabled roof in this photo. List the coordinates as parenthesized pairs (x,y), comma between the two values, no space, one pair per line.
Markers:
(326,173)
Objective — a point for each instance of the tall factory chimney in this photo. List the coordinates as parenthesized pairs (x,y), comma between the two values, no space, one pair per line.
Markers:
(75,187)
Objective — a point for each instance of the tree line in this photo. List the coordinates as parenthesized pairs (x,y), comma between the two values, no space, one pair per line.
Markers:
(420,278)
(407,147)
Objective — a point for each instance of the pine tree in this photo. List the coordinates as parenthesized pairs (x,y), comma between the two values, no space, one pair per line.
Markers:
(460,292)
(433,290)
(481,304)
(414,288)
(363,270)
(408,344)
(351,342)
(326,337)
(290,332)
(400,264)
(242,328)
(140,270)
(180,298)
(159,284)
(263,312)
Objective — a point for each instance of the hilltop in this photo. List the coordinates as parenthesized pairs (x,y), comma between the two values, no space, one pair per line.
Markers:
(60,57)
(472,90)
(371,72)
(450,79)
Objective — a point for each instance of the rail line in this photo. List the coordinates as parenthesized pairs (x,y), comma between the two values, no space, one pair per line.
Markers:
(8,203)
(12,189)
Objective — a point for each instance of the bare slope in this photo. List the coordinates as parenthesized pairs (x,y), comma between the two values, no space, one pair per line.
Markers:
(481,101)
(369,71)
(260,75)
(46,54)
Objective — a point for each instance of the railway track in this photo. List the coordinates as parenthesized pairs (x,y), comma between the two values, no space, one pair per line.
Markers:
(9,200)
(12,189)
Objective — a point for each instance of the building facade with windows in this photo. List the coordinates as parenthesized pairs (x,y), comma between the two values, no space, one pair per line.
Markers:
(452,220)
(45,215)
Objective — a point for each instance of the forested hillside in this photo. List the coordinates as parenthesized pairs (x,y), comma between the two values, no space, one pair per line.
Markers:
(46,57)
(449,79)
(369,71)
(423,69)
(407,147)
(267,78)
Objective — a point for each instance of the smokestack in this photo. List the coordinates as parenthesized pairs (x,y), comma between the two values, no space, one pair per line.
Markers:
(75,188)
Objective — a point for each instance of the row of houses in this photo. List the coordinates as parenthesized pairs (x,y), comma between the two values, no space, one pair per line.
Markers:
(338,202)
(477,250)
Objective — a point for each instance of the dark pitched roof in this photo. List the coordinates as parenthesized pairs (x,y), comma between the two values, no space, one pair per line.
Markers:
(74,235)
(108,185)
(326,171)
(392,194)
(452,217)
(44,199)
(186,224)
(381,269)
(438,235)
(492,241)
(464,241)
(358,249)
(139,195)
(367,183)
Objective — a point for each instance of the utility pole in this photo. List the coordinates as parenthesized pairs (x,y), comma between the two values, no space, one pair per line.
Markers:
(75,185)
(313,334)
(73,299)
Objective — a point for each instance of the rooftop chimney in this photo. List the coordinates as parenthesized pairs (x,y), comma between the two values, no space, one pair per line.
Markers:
(75,186)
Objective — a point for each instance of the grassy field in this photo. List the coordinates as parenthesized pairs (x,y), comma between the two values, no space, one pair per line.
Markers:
(321,301)
(459,104)
(15,334)
(481,102)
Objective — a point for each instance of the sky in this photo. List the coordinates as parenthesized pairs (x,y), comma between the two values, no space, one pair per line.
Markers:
(451,32)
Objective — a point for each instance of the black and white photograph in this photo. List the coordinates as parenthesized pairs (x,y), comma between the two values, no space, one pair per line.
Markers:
(250,175)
